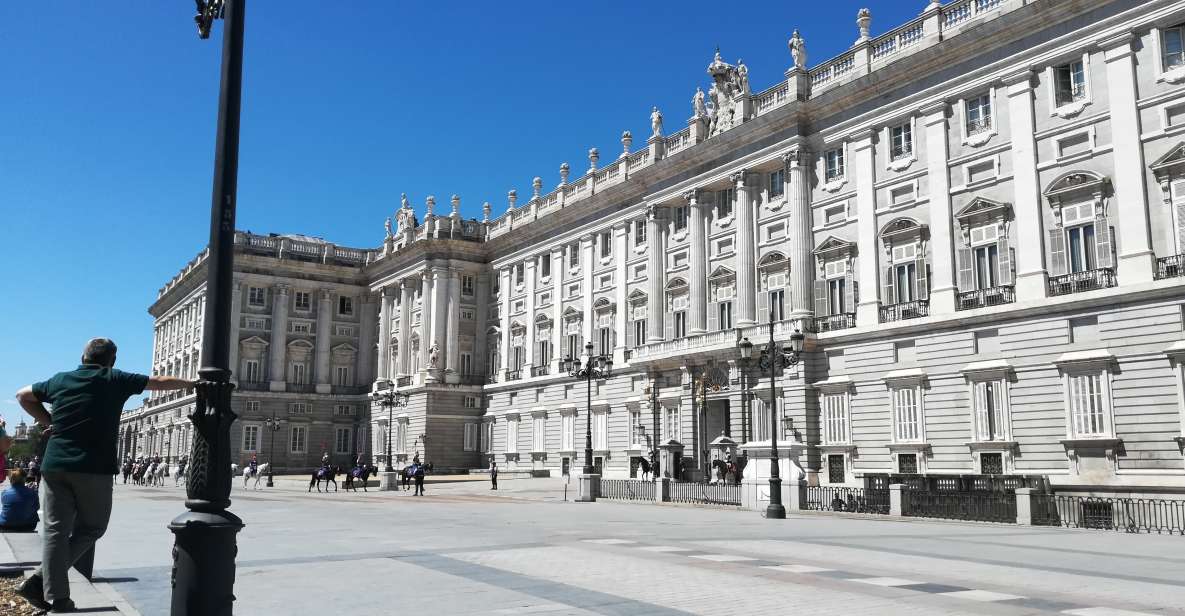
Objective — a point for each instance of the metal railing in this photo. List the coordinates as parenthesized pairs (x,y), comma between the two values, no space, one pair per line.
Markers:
(350,390)
(1078,282)
(543,370)
(1130,515)
(981,298)
(627,489)
(706,493)
(473,379)
(905,310)
(850,500)
(956,483)
(252,386)
(979,125)
(514,375)
(403,381)
(300,388)
(1170,267)
(972,506)
(833,322)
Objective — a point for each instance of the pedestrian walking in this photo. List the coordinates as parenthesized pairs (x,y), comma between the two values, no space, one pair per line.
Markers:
(78,467)
(493,475)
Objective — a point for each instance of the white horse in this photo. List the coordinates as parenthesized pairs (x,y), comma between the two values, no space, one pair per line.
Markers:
(157,474)
(178,474)
(259,473)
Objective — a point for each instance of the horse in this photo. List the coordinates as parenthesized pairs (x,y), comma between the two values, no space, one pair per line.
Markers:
(726,472)
(138,470)
(328,474)
(258,473)
(362,473)
(405,476)
(179,472)
(644,468)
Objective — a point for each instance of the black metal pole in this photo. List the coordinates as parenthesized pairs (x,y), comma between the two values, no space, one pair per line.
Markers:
(775,509)
(204,551)
(588,459)
(274,426)
(390,404)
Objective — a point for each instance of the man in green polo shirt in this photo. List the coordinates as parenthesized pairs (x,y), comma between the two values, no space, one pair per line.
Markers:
(79,464)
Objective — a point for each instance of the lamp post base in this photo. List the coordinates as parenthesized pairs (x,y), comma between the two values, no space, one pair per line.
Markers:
(204,563)
(270,483)
(590,488)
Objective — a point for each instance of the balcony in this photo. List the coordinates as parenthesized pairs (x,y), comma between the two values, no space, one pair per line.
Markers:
(300,388)
(1170,267)
(905,311)
(403,381)
(543,370)
(1078,282)
(473,379)
(350,390)
(252,386)
(982,298)
(833,322)
(514,375)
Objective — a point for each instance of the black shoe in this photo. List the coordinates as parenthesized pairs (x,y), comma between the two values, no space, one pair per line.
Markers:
(33,591)
(62,606)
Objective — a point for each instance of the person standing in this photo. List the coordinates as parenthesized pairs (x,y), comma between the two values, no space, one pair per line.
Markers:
(419,475)
(493,475)
(78,466)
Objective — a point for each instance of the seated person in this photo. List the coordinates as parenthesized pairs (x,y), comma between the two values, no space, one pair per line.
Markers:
(18,505)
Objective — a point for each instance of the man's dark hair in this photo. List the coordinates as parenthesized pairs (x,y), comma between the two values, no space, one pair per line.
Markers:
(99,351)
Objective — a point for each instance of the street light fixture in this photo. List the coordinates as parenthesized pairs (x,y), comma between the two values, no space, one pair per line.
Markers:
(773,358)
(390,399)
(593,367)
(273,424)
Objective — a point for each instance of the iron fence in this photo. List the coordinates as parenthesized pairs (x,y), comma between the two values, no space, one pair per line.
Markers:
(851,500)
(972,506)
(706,493)
(1130,515)
(627,489)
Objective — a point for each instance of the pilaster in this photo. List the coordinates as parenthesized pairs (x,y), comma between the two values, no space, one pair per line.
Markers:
(480,352)
(321,353)
(426,311)
(656,237)
(557,307)
(1026,200)
(529,352)
(505,289)
(942,261)
(440,294)
(864,169)
(620,246)
(746,274)
(802,268)
(236,309)
(452,356)
(366,343)
(407,297)
(586,284)
(698,311)
(278,345)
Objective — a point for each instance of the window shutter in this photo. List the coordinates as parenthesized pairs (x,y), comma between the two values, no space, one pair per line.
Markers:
(612,339)
(668,326)
(890,291)
(923,278)
(1005,259)
(1181,226)
(822,305)
(966,273)
(763,306)
(1104,244)
(849,293)
(629,334)
(713,316)
(1057,252)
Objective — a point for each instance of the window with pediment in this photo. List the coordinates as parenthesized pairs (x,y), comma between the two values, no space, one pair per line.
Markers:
(543,327)
(606,337)
(773,271)
(573,333)
(636,331)
(518,350)
(722,287)
(984,257)
(906,278)
(1169,170)
(1081,239)
(835,284)
(677,304)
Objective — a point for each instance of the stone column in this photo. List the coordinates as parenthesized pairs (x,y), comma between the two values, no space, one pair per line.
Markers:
(407,297)
(586,276)
(452,358)
(384,341)
(321,357)
(529,351)
(557,308)
(440,295)
(366,344)
(746,302)
(864,169)
(1136,261)
(698,311)
(943,286)
(1026,200)
(620,246)
(802,263)
(482,317)
(426,295)
(656,237)
(236,309)
(279,339)
(506,288)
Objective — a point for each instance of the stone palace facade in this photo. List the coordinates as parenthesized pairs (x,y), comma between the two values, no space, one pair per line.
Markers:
(977,219)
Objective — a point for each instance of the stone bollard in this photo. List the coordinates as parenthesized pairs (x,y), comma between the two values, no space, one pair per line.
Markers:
(1024,507)
(388,481)
(662,492)
(797,494)
(590,486)
(895,503)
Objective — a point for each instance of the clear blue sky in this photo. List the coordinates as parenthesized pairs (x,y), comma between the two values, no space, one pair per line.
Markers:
(107,117)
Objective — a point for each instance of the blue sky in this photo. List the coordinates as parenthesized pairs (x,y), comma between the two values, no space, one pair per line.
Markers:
(107,128)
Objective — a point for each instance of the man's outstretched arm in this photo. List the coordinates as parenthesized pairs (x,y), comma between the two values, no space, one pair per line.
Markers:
(165,383)
(28,401)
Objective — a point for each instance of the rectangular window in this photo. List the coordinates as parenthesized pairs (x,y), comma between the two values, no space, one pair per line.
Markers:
(252,373)
(682,214)
(251,438)
(467,285)
(836,289)
(1088,405)
(298,374)
(606,245)
(639,332)
(545,266)
(907,415)
(472,402)
(298,439)
(539,433)
(342,442)
(777,183)
(487,436)
(1070,81)
(777,304)
(470,443)
(573,255)
(466,364)
(1080,242)
(256,296)
(1172,47)
(761,420)
(987,263)
(835,469)
(979,114)
(467,315)
(605,340)
(639,232)
(301,327)
(518,358)
(298,408)
(835,419)
(637,438)
(345,306)
(834,164)
(671,428)
(681,324)
(902,141)
(304,300)
(343,330)
(725,315)
(989,404)
(906,274)
(991,463)
(907,463)
(600,431)
(343,410)
(724,202)
(341,376)
(512,436)
(252,406)
(567,438)
(519,273)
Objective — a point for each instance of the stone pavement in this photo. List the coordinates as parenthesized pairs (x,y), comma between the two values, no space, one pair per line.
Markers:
(464,549)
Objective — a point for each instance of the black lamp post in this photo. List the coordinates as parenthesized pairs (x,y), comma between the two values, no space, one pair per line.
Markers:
(203,575)
(594,367)
(273,425)
(390,399)
(772,358)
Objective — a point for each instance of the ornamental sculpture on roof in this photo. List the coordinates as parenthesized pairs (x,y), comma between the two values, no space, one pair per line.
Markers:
(730,83)
(797,50)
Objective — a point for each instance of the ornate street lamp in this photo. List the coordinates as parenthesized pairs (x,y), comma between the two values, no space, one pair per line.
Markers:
(703,384)
(594,367)
(774,357)
(273,425)
(203,576)
(390,399)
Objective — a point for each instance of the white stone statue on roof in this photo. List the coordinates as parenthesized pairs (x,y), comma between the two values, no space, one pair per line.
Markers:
(797,50)
(655,122)
(698,108)
(743,77)
(387,225)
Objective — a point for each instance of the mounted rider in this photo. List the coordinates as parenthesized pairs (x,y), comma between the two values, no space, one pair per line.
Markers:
(253,465)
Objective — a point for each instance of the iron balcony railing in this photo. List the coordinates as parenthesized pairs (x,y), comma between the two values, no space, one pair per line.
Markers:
(905,310)
(514,375)
(300,388)
(403,381)
(1130,515)
(543,370)
(252,385)
(980,125)
(982,298)
(349,390)
(850,500)
(833,322)
(956,483)
(1078,282)
(473,379)
(1170,267)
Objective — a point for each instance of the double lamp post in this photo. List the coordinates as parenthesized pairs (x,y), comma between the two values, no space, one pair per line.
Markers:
(390,399)
(593,367)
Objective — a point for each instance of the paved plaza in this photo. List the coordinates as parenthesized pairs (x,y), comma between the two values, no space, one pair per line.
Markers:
(463,549)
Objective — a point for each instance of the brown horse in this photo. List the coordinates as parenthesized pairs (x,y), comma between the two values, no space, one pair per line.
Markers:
(360,473)
(328,474)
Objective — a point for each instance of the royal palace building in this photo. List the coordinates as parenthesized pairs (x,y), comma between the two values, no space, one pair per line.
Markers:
(976,219)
